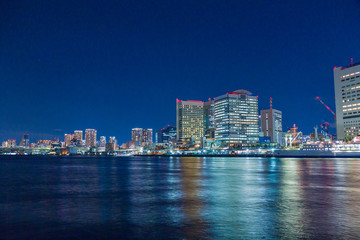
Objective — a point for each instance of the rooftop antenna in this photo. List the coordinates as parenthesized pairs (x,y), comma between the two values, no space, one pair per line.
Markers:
(352,62)
(270,102)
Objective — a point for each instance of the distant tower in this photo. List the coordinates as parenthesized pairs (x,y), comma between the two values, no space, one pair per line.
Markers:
(316,137)
(25,141)
(90,137)
(78,137)
(271,124)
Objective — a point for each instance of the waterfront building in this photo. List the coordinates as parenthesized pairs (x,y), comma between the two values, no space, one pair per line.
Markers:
(78,137)
(111,145)
(236,118)
(271,124)
(45,143)
(141,137)
(11,143)
(25,141)
(4,144)
(189,120)
(347,101)
(209,120)
(69,139)
(90,138)
(102,141)
(166,134)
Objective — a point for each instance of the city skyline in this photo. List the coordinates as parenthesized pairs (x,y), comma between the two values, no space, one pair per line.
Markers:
(66,66)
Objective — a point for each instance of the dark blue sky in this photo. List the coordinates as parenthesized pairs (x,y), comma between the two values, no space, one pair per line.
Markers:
(115,65)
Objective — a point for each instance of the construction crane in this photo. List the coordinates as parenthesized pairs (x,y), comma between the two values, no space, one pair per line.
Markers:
(317,98)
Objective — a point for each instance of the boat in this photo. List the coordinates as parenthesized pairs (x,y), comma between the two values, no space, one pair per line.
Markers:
(323,149)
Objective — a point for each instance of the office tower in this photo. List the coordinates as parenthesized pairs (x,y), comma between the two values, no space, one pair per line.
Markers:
(69,139)
(25,141)
(236,118)
(102,141)
(78,137)
(136,136)
(189,120)
(147,136)
(347,100)
(141,137)
(209,119)
(90,137)
(271,124)
(166,134)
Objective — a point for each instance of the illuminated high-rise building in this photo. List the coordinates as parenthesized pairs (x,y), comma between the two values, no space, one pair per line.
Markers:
(189,120)
(236,118)
(25,141)
(209,119)
(90,137)
(9,143)
(78,137)
(347,100)
(141,137)
(166,134)
(69,139)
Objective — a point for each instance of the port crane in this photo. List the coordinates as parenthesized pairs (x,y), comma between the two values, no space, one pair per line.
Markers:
(327,107)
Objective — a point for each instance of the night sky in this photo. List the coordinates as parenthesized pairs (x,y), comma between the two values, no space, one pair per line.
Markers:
(115,65)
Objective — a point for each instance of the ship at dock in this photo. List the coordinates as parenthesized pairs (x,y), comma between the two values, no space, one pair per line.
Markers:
(323,149)
(326,147)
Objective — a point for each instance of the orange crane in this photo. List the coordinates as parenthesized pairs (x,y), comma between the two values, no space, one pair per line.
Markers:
(317,98)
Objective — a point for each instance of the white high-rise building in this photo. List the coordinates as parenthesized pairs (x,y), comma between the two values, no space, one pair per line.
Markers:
(347,100)
(236,118)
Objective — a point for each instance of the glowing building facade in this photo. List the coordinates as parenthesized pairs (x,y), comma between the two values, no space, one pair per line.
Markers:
(236,118)
(78,137)
(189,120)
(90,137)
(347,101)
(141,137)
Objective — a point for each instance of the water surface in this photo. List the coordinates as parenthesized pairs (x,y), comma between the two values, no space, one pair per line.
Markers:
(178,198)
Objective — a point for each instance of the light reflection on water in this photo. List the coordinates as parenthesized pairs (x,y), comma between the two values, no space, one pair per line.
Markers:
(179,198)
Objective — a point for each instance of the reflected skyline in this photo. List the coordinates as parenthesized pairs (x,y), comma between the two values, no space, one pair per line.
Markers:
(183,198)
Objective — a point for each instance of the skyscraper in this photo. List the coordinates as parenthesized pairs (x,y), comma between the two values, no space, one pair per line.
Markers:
(90,137)
(69,139)
(347,100)
(209,119)
(189,120)
(271,124)
(141,137)
(25,141)
(236,118)
(166,134)
(78,137)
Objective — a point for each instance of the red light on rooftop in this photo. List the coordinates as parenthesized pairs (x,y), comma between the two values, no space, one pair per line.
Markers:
(334,67)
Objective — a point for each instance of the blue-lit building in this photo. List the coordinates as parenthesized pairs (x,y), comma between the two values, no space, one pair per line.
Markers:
(166,134)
